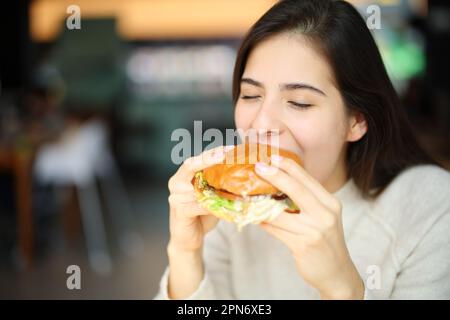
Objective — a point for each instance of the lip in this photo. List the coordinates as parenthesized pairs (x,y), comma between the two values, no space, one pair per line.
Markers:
(269,140)
(260,136)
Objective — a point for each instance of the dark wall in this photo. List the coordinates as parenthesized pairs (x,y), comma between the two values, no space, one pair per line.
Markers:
(438,61)
(15,43)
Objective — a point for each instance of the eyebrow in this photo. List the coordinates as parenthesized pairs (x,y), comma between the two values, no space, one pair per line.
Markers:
(285,86)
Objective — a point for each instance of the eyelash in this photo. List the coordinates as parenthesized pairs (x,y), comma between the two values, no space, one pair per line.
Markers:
(299,105)
(249,97)
(292,103)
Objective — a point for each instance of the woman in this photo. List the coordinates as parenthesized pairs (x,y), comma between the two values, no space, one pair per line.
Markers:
(375,219)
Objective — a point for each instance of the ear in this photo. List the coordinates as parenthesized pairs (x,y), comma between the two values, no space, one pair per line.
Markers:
(357,127)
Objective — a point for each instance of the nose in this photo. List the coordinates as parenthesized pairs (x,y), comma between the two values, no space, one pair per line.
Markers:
(267,124)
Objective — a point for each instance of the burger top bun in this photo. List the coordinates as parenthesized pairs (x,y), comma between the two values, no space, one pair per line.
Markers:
(237,172)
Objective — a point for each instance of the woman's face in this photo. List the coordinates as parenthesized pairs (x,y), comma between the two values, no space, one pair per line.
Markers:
(287,89)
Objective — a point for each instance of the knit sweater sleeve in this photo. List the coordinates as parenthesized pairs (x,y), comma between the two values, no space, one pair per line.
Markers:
(425,274)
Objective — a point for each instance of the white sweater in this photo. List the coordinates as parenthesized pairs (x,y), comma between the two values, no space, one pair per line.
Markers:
(400,244)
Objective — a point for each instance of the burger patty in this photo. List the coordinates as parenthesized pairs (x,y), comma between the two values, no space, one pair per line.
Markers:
(231,196)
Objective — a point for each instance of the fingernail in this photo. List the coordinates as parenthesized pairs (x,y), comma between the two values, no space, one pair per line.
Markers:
(262,167)
(275,158)
(228,148)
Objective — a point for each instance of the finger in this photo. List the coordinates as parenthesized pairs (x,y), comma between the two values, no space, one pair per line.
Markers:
(186,204)
(298,172)
(291,223)
(194,164)
(189,210)
(209,221)
(206,159)
(181,198)
(298,193)
(288,238)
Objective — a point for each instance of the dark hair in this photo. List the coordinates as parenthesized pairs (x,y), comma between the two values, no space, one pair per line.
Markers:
(338,31)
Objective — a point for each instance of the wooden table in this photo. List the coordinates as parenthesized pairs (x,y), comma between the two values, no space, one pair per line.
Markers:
(19,162)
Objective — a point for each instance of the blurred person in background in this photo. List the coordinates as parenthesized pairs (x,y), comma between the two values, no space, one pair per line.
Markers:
(44,116)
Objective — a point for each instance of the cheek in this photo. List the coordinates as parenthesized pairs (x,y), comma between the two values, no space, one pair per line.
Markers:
(321,137)
(315,128)
(319,131)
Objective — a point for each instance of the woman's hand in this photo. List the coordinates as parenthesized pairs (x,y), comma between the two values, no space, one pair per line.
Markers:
(315,236)
(188,221)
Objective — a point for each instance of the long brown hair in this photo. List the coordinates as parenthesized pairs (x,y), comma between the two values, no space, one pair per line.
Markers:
(339,32)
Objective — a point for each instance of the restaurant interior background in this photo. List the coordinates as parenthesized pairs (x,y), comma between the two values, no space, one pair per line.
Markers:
(86,117)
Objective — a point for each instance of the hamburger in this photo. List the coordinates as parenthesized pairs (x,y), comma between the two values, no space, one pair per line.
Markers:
(234,192)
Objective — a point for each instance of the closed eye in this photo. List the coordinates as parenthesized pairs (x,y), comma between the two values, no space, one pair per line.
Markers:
(249,97)
(299,105)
